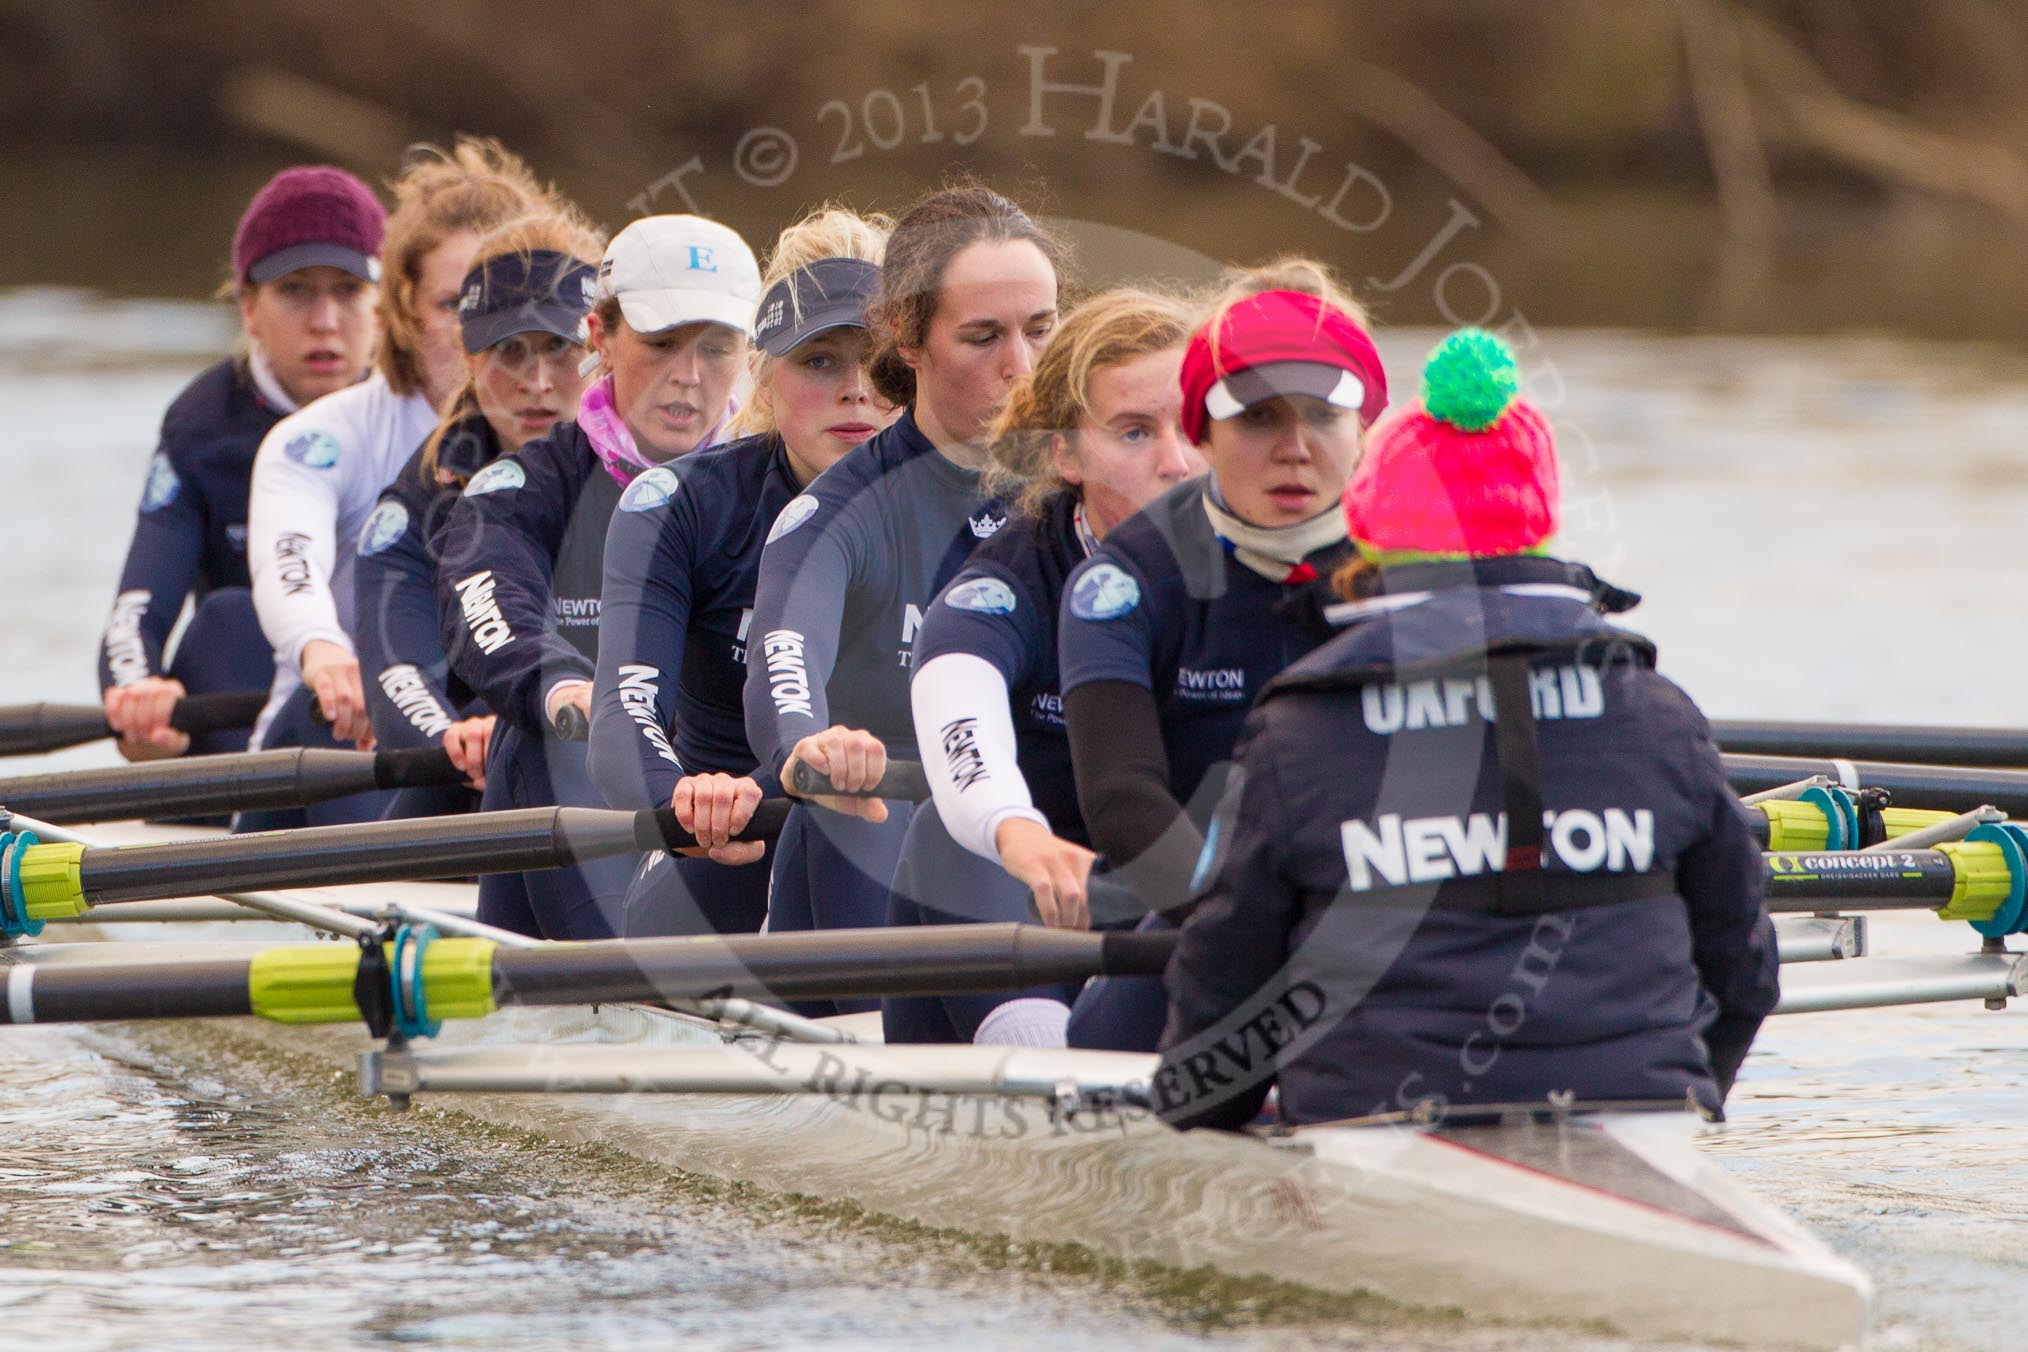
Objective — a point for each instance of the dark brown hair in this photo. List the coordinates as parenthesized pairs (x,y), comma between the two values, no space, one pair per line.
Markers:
(925,240)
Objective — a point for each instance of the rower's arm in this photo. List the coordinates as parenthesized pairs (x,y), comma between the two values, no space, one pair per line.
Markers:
(495,584)
(806,575)
(161,568)
(401,652)
(1721,879)
(1229,968)
(292,526)
(644,622)
(1122,771)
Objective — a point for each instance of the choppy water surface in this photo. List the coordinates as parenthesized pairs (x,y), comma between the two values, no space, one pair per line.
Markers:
(1824,529)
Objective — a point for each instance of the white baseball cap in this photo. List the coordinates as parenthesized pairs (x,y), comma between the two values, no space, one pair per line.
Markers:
(671,270)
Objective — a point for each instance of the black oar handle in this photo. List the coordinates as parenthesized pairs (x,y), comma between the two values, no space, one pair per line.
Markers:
(33,729)
(415,767)
(221,712)
(904,782)
(659,830)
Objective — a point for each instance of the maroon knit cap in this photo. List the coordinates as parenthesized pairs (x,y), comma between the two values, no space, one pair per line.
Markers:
(311,216)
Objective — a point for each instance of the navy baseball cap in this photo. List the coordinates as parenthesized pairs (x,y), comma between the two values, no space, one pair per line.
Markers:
(541,291)
(831,293)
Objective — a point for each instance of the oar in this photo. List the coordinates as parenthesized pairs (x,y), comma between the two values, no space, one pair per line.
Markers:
(52,881)
(903,780)
(1875,741)
(191,786)
(467,978)
(31,729)
(1945,787)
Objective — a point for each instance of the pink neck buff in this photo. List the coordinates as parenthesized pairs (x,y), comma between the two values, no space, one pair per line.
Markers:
(614,442)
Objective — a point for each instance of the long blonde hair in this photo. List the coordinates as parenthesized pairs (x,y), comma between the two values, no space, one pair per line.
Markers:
(1112,327)
(562,230)
(831,231)
(474,187)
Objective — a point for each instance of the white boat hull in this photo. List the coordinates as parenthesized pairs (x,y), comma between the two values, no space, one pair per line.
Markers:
(1615,1220)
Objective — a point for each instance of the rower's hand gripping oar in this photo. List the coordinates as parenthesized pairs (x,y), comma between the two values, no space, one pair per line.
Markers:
(33,729)
(41,882)
(191,786)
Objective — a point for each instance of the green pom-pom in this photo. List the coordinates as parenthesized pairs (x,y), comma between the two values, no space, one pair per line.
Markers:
(1470,380)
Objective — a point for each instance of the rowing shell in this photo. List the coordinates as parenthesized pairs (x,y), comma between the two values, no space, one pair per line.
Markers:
(1614,1217)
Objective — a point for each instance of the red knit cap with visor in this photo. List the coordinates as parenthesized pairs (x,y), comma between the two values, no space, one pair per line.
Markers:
(1467,470)
(1279,343)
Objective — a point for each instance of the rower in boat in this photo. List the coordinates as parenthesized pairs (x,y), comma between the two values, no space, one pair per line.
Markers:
(1478,851)
(521,314)
(521,552)
(321,469)
(1085,442)
(968,297)
(681,560)
(1188,609)
(305,260)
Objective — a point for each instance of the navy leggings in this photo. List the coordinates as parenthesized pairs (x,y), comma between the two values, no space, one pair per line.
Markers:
(581,901)
(677,895)
(834,872)
(940,882)
(293,726)
(1121,1013)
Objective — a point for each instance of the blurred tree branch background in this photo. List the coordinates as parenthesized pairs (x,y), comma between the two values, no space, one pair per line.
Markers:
(1759,165)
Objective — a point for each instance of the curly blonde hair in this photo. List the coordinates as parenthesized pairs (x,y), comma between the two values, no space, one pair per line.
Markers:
(1109,328)
(831,231)
(474,187)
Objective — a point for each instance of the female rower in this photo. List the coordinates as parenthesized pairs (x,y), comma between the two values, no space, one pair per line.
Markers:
(522,325)
(1177,621)
(320,471)
(1087,441)
(681,560)
(305,259)
(967,299)
(521,552)
(1579,911)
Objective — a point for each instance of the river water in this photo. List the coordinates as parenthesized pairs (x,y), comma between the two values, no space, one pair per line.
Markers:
(1824,529)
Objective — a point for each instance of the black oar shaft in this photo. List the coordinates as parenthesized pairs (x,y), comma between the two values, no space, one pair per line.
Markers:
(1947,788)
(377,852)
(108,993)
(212,785)
(927,961)
(818,965)
(31,729)
(485,842)
(1886,880)
(1879,742)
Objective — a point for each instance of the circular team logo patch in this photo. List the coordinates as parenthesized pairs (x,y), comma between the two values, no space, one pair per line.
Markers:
(1104,592)
(798,511)
(162,486)
(495,478)
(316,449)
(650,490)
(986,595)
(388,523)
